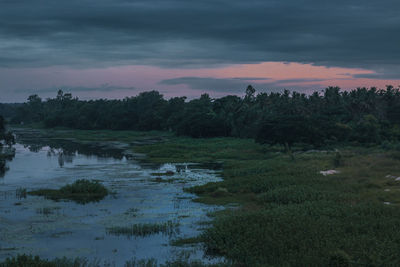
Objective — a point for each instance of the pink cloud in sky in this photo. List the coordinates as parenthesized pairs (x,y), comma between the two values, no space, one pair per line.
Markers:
(130,80)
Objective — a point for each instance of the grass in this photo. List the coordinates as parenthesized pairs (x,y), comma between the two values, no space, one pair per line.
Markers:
(20,193)
(31,261)
(144,229)
(167,173)
(46,211)
(186,241)
(81,191)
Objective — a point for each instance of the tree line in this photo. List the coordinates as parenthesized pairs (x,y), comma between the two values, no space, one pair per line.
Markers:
(363,115)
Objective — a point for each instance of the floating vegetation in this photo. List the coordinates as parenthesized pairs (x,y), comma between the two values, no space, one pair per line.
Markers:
(81,191)
(144,229)
(141,263)
(186,241)
(161,180)
(20,193)
(167,173)
(47,210)
(36,261)
(133,212)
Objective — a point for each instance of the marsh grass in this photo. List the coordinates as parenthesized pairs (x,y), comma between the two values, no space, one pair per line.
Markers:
(173,263)
(161,180)
(36,261)
(133,212)
(144,229)
(290,213)
(46,211)
(186,241)
(81,191)
(167,173)
(20,193)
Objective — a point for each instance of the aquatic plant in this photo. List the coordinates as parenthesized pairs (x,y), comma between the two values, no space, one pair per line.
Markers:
(144,229)
(20,193)
(36,261)
(47,210)
(81,191)
(167,173)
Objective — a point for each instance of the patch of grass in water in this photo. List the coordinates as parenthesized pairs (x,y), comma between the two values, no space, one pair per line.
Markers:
(36,261)
(141,263)
(47,210)
(161,180)
(81,191)
(133,212)
(167,173)
(174,263)
(186,241)
(144,229)
(20,193)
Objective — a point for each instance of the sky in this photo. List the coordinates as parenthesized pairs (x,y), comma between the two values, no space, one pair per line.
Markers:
(118,48)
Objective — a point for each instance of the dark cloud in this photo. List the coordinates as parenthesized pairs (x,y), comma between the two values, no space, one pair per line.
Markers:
(235,85)
(181,33)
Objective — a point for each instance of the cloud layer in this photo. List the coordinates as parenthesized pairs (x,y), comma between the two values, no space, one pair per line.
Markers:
(176,33)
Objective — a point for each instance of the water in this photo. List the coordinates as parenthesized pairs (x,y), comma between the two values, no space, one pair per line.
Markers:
(38,226)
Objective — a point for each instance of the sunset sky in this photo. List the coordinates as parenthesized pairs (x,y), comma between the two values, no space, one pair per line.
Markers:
(118,48)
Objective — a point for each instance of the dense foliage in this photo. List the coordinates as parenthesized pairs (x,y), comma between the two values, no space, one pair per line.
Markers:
(362,115)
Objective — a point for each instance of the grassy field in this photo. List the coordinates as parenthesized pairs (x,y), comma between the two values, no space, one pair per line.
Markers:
(290,214)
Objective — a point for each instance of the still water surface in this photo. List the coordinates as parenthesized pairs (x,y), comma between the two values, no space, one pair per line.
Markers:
(74,230)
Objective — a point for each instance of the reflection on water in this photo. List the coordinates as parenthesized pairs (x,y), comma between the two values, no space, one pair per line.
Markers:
(34,225)
(6,154)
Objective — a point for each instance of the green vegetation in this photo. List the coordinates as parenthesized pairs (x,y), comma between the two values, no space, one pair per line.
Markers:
(167,173)
(47,210)
(144,229)
(291,214)
(30,261)
(186,241)
(20,193)
(81,191)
